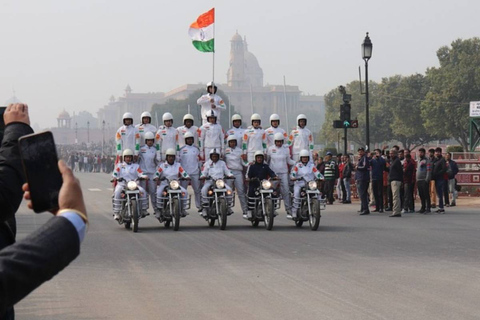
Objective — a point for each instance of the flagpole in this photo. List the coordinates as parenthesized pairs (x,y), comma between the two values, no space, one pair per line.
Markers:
(213,53)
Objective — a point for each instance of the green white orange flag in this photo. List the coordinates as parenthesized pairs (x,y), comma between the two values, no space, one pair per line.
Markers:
(202,32)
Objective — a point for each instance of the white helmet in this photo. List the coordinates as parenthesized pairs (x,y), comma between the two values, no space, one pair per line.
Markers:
(255,116)
(231,138)
(149,136)
(170,152)
(236,117)
(211,113)
(188,134)
(210,84)
(127,115)
(278,137)
(259,153)
(301,116)
(275,117)
(145,114)
(188,116)
(214,151)
(127,152)
(167,116)
(304,153)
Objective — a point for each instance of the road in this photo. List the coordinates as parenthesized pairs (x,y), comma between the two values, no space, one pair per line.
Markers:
(353,267)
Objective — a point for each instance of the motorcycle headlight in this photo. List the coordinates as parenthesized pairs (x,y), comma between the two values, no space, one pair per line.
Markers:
(174,184)
(266,184)
(132,185)
(312,185)
(220,184)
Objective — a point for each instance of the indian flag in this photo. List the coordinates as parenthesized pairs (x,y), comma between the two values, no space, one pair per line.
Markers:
(202,32)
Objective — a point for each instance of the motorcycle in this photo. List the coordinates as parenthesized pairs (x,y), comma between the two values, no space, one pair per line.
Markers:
(217,203)
(309,205)
(171,204)
(129,206)
(263,204)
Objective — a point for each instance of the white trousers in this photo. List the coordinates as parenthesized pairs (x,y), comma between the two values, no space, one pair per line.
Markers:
(195,182)
(240,188)
(150,187)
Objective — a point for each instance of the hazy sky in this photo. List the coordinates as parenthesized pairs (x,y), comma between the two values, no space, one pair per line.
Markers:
(76,54)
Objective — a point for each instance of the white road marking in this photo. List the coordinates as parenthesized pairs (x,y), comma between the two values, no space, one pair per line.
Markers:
(94,189)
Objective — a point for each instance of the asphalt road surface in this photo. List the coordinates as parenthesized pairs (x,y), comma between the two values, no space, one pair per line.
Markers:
(353,267)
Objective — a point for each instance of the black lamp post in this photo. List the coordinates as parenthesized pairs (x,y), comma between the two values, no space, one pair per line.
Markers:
(366,55)
(88,131)
(103,138)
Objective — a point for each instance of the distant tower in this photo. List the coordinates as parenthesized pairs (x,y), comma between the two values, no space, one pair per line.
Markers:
(128,90)
(236,71)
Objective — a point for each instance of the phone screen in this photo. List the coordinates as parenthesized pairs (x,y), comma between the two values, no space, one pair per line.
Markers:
(40,162)
(2,123)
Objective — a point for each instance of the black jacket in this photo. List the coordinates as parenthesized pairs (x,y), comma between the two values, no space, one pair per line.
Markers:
(260,171)
(11,180)
(439,168)
(396,171)
(347,170)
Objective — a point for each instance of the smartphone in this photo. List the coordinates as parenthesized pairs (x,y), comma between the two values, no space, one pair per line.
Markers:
(40,163)
(2,123)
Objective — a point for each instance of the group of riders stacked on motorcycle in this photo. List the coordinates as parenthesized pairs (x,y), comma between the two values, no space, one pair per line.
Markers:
(160,164)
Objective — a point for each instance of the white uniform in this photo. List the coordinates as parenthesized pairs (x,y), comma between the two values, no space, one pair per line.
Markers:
(233,159)
(238,133)
(170,172)
(144,128)
(214,170)
(270,133)
(278,159)
(309,172)
(127,137)
(128,172)
(181,135)
(253,140)
(147,160)
(204,102)
(300,139)
(189,160)
(166,138)
(210,136)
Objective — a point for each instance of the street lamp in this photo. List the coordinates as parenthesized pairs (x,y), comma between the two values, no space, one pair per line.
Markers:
(103,133)
(76,133)
(366,55)
(88,131)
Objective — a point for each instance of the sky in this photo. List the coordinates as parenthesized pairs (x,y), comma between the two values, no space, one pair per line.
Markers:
(74,55)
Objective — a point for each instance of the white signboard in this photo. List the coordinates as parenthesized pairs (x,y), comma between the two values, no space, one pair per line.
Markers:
(475,109)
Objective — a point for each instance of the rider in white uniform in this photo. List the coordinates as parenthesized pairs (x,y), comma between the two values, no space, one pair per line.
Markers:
(187,127)
(234,161)
(254,138)
(166,137)
(127,136)
(211,135)
(170,170)
(215,169)
(145,126)
(301,138)
(236,130)
(278,158)
(189,160)
(128,171)
(274,129)
(148,163)
(303,169)
(211,101)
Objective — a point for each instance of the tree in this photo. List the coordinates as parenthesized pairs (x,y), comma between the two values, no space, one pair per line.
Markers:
(452,86)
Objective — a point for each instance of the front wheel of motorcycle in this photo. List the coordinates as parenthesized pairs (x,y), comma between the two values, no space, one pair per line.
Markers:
(176,214)
(222,217)
(134,216)
(269,215)
(314,218)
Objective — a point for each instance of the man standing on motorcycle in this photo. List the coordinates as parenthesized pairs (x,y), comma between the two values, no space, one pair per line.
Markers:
(236,129)
(301,138)
(234,161)
(189,160)
(145,126)
(187,127)
(211,135)
(148,164)
(254,139)
(128,171)
(170,170)
(215,169)
(127,136)
(303,169)
(211,101)
(259,170)
(166,137)
(274,129)
(279,159)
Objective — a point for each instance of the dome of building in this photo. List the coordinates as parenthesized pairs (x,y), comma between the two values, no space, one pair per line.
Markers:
(237,37)
(64,115)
